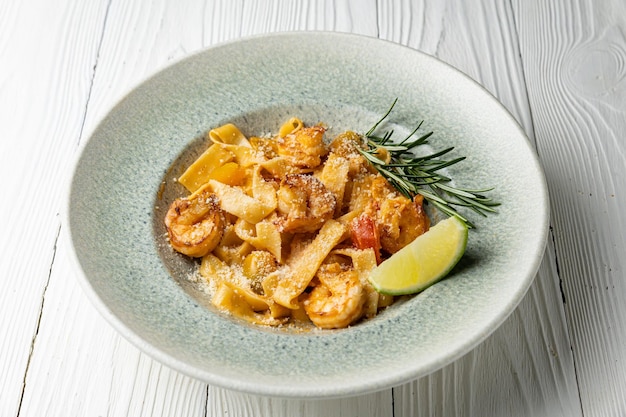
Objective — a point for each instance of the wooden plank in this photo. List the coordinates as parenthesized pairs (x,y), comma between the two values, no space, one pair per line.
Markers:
(223,402)
(354,16)
(526,366)
(80,365)
(573,54)
(45,79)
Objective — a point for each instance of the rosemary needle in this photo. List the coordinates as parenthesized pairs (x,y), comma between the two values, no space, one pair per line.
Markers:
(412,175)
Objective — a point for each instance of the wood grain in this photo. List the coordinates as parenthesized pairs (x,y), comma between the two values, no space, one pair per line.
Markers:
(354,16)
(574,63)
(223,402)
(481,40)
(40,132)
(87,369)
(79,365)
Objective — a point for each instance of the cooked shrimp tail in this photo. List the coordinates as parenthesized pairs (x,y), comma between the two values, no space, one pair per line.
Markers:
(338,300)
(304,204)
(195,225)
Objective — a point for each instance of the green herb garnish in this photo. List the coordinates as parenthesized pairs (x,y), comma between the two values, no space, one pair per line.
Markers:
(411,174)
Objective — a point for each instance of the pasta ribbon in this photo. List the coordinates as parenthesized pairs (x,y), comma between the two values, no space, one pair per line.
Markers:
(263,236)
(263,191)
(214,270)
(234,201)
(281,166)
(231,138)
(230,174)
(290,126)
(198,173)
(244,304)
(233,254)
(334,176)
(286,285)
(228,134)
(245,156)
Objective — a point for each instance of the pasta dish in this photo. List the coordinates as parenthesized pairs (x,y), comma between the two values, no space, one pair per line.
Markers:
(288,226)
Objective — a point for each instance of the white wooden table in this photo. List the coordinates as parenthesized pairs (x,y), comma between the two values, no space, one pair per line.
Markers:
(558,66)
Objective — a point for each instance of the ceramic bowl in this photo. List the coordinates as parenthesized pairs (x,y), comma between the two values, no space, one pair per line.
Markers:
(125,177)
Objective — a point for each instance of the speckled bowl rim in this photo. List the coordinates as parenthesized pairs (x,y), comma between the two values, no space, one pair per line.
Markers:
(383,372)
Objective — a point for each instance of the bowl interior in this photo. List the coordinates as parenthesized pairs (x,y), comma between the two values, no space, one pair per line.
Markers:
(123,182)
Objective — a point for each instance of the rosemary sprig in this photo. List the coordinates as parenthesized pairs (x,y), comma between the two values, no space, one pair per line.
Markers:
(412,175)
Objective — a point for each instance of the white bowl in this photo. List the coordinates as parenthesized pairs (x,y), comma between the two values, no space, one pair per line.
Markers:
(122,183)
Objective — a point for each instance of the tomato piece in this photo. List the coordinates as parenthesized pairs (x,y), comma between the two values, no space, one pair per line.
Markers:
(364,234)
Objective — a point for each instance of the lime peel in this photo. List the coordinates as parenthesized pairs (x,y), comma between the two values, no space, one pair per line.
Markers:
(423,262)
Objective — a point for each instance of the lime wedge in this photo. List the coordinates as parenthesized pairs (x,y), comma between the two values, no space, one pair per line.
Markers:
(421,263)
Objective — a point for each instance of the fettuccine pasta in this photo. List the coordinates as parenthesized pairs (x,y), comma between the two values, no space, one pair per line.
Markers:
(288,227)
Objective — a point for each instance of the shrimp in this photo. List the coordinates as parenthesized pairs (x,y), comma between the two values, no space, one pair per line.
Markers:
(195,226)
(304,204)
(401,221)
(338,300)
(398,219)
(305,147)
(347,145)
